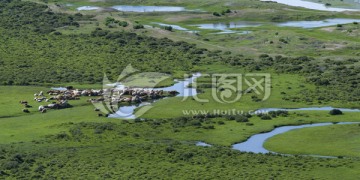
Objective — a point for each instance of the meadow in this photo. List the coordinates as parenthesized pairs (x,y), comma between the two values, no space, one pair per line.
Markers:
(45,44)
(340,140)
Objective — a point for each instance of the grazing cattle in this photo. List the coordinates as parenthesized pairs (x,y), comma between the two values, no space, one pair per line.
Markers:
(100,99)
(96,109)
(100,115)
(23,102)
(53,106)
(41,108)
(27,106)
(26,111)
(173,93)
(39,99)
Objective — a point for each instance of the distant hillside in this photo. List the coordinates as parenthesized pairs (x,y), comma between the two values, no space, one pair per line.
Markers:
(31,52)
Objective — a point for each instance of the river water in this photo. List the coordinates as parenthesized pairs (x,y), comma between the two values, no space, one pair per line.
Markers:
(255,143)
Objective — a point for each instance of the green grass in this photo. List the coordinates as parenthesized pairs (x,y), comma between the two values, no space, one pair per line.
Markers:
(290,84)
(75,143)
(336,140)
(35,126)
(147,149)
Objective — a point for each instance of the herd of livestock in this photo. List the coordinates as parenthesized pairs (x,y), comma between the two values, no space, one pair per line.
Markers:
(59,99)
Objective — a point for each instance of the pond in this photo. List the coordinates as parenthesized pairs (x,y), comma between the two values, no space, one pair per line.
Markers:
(87,8)
(59,88)
(233,32)
(255,143)
(126,8)
(176,27)
(226,27)
(316,24)
(127,112)
(223,26)
(311,5)
(203,144)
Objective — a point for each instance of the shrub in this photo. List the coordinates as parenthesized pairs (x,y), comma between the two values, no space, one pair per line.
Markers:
(265,117)
(336,112)
(62,135)
(57,33)
(216,14)
(249,124)
(168,28)
(109,20)
(169,149)
(209,127)
(242,119)
(278,113)
(123,23)
(138,26)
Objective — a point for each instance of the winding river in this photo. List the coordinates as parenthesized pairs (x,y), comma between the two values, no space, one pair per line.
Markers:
(255,143)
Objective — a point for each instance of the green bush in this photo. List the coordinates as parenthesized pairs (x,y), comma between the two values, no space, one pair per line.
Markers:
(216,14)
(168,28)
(138,26)
(123,23)
(335,112)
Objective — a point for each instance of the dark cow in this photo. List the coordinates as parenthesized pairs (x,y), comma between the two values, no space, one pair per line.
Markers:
(23,102)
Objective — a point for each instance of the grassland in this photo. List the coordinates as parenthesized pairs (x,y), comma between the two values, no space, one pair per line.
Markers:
(339,140)
(73,49)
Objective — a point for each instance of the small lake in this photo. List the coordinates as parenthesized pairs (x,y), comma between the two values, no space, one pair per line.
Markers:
(222,26)
(87,8)
(316,24)
(255,143)
(311,5)
(233,32)
(226,27)
(59,88)
(203,144)
(176,27)
(126,8)
(127,112)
